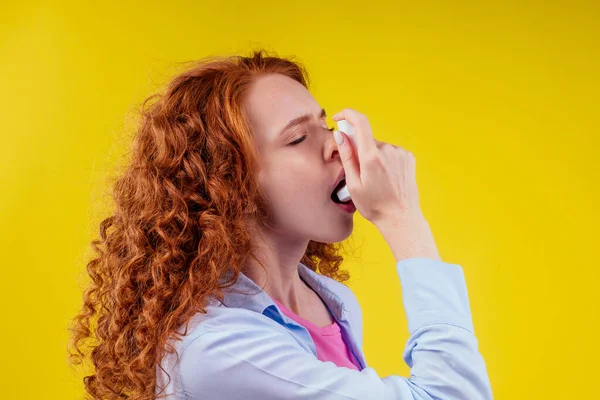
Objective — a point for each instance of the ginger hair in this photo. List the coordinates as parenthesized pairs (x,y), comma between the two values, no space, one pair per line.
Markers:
(183,211)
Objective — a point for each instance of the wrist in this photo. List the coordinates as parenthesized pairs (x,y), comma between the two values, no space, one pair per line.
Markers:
(400,220)
(409,236)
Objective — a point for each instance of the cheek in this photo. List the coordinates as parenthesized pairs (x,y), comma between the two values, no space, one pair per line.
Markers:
(290,179)
(287,186)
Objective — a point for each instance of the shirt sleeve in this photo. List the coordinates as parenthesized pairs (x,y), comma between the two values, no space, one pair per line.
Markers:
(264,362)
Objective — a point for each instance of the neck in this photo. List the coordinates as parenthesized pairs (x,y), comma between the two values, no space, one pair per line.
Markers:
(280,279)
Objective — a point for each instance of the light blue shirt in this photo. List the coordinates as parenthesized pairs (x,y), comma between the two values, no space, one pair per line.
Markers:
(245,348)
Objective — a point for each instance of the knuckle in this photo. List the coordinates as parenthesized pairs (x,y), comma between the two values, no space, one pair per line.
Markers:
(373,158)
(408,154)
(363,121)
(368,159)
(388,147)
(404,152)
(350,112)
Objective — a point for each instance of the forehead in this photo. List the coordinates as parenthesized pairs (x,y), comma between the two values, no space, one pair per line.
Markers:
(275,99)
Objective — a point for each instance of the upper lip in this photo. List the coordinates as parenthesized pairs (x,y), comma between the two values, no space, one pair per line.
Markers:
(340,178)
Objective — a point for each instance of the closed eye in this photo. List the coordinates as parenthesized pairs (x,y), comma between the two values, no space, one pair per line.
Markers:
(298,141)
(303,138)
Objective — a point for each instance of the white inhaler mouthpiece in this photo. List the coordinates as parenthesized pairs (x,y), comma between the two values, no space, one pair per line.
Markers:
(348,129)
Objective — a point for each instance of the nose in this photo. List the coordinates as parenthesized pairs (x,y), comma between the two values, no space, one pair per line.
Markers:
(330,148)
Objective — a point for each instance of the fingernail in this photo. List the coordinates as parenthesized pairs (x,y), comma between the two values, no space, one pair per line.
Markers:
(339,138)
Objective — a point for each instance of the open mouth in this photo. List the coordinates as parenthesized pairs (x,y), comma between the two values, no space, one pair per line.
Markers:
(334,196)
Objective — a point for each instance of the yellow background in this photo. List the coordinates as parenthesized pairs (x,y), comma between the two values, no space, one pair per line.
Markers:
(498,101)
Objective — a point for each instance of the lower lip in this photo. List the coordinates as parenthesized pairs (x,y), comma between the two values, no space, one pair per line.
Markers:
(348,207)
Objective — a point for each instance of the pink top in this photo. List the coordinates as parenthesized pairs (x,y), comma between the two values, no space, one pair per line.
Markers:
(328,340)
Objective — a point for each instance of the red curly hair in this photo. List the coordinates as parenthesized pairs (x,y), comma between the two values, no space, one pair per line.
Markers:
(184,209)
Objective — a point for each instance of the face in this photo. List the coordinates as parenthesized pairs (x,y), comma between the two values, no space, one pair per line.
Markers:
(299,163)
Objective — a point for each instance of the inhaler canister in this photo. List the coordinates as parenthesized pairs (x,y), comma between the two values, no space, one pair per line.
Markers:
(348,129)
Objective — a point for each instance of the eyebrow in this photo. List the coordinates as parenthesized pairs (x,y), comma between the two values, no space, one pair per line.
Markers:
(301,120)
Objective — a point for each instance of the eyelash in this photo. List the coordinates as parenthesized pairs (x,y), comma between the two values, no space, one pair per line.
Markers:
(295,142)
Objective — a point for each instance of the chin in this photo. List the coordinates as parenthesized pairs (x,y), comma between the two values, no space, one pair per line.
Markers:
(335,234)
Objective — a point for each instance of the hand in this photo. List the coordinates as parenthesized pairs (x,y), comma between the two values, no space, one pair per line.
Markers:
(381,177)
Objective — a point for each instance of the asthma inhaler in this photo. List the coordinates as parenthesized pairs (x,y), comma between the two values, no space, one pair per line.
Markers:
(348,129)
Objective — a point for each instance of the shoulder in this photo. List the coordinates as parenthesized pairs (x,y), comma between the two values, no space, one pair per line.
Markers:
(216,338)
(225,322)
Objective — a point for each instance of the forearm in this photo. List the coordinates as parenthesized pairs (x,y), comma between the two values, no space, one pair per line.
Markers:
(442,350)
(408,237)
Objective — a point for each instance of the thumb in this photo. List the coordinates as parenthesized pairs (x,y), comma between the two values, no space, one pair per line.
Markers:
(348,156)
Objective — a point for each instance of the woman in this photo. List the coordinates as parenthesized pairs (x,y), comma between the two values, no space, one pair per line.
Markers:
(206,286)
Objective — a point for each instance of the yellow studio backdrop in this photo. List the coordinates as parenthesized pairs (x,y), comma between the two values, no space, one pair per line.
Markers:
(499,102)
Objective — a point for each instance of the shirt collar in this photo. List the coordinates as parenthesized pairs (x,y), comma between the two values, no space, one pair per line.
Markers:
(245,293)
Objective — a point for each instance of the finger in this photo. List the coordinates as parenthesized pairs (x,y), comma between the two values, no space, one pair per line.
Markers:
(395,146)
(379,144)
(365,142)
(348,157)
